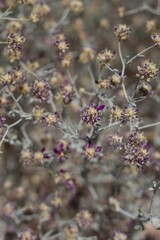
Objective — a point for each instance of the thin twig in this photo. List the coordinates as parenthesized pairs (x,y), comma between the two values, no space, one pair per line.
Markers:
(149,125)
(139,54)
(123,70)
(6,132)
(23,65)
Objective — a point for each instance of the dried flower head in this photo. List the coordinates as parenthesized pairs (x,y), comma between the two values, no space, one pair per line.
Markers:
(105,57)
(40,157)
(122,32)
(115,140)
(66,93)
(115,80)
(25,88)
(137,150)
(39,11)
(38,114)
(62,46)
(145,88)
(57,201)
(14,26)
(116,113)
(90,151)
(130,112)
(121,11)
(26,157)
(13,54)
(104,23)
(111,82)
(41,89)
(151,26)
(62,150)
(156,39)
(13,77)
(15,41)
(84,218)
(87,55)
(52,119)
(27,235)
(65,177)
(56,79)
(92,113)
(148,71)
(103,84)
(66,60)
(76,6)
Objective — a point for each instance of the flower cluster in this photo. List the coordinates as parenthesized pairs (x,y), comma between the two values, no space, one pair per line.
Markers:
(84,218)
(112,82)
(27,235)
(147,72)
(130,113)
(145,88)
(151,26)
(62,150)
(90,151)
(39,11)
(72,112)
(37,114)
(40,157)
(87,55)
(66,60)
(15,41)
(14,77)
(62,46)
(137,150)
(127,113)
(28,157)
(156,39)
(115,140)
(41,89)
(92,113)
(76,6)
(66,93)
(52,119)
(64,176)
(14,46)
(105,57)
(122,31)
(116,113)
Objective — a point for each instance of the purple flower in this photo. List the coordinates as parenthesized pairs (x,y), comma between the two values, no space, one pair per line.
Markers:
(42,90)
(62,150)
(91,151)
(100,107)
(40,157)
(92,113)
(66,93)
(137,150)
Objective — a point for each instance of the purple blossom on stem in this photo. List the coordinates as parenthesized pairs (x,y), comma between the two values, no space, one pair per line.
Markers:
(91,151)
(92,113)
(137,150)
